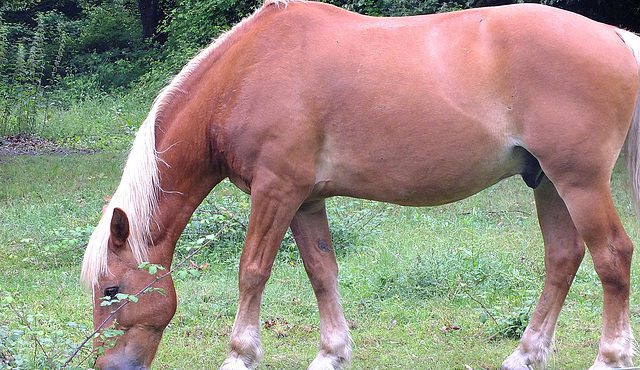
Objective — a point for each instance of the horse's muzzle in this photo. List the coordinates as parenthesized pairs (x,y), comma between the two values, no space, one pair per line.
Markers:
(120,364)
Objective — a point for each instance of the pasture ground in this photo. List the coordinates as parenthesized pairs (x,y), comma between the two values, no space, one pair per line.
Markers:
(421,287)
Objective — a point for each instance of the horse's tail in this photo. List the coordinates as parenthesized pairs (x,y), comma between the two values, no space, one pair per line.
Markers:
(632,145)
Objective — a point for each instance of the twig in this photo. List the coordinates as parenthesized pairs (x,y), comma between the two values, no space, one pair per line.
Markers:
(26,323)
(462,285)
(142,291)
(500,212)
(219,212)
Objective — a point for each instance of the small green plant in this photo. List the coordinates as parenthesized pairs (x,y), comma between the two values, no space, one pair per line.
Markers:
(513,324)
(152,267)
(108,337)
(348,226)
(35,341)
(65,246)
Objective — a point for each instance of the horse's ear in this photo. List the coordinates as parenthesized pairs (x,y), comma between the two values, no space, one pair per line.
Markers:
(119,230)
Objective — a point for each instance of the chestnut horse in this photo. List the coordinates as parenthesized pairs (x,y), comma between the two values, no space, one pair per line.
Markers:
(303,101)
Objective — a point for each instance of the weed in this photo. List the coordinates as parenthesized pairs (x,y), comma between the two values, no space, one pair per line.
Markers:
(229,206)
(36,340)
(23,96)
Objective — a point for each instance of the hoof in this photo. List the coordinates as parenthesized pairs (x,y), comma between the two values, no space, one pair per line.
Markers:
(322,363)
(517,361)
(233,363)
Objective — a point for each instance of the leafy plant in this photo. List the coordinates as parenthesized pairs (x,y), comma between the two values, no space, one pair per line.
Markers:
(36,340)
(348,228)
(26,100)
(65,246)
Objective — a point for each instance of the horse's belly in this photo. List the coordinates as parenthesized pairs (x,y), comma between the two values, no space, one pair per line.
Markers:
(417,179)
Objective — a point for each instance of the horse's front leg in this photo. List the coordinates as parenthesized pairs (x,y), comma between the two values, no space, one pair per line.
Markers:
(311,231)
(273,204)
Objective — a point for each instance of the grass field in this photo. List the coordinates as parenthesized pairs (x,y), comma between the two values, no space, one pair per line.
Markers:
(413,280)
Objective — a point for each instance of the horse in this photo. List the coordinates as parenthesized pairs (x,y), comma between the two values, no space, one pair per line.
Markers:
(302,101)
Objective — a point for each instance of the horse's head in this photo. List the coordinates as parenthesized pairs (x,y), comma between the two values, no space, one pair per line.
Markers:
(140,323)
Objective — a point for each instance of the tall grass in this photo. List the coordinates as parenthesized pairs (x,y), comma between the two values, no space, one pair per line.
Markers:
(21,89)
(36,100)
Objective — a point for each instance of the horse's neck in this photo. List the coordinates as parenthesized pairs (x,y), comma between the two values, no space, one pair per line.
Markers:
(187,175)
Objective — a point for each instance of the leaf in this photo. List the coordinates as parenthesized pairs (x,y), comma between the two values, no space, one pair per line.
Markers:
(484,317)
(7,299)
(194,272)
(153,269)
(110,333)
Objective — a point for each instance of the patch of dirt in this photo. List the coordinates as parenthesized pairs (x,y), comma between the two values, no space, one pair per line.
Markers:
(21,144)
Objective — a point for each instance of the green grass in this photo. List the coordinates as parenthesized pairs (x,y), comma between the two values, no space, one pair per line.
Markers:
(406,275)
(102,122)
(112,120)
(41,193)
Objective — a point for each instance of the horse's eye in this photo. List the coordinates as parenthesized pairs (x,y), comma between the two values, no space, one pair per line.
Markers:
(111,291)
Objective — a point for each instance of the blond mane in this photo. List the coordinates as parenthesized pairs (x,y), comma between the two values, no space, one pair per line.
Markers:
(139,187)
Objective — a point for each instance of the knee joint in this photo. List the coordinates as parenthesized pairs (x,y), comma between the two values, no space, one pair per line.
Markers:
(253,278)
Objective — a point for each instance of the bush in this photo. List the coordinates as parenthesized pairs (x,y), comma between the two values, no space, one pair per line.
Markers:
(399,8)
(109,49)
(227,209)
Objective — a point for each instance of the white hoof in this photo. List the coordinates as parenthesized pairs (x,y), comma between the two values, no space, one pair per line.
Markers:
(321,363)
(618,353)
(625,363)
(520,361)
(233,363)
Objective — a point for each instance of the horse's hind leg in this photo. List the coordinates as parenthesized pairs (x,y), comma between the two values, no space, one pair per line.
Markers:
(597,221)
(564,250)
(311,231)
(273,204)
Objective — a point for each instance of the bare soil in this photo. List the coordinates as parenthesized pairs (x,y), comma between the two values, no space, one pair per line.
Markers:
(21,144)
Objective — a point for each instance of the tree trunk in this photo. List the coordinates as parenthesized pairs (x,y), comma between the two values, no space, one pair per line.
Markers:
(151,15)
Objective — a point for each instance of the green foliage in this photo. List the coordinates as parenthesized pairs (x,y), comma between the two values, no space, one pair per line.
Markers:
(229,212)
(36,340)
(513,324)
(351,223)
(21,90)
(399,8)
(119,297)
(109,50)
(108,338)
(60,61)
(64,246)
(193,24)
(152,267)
